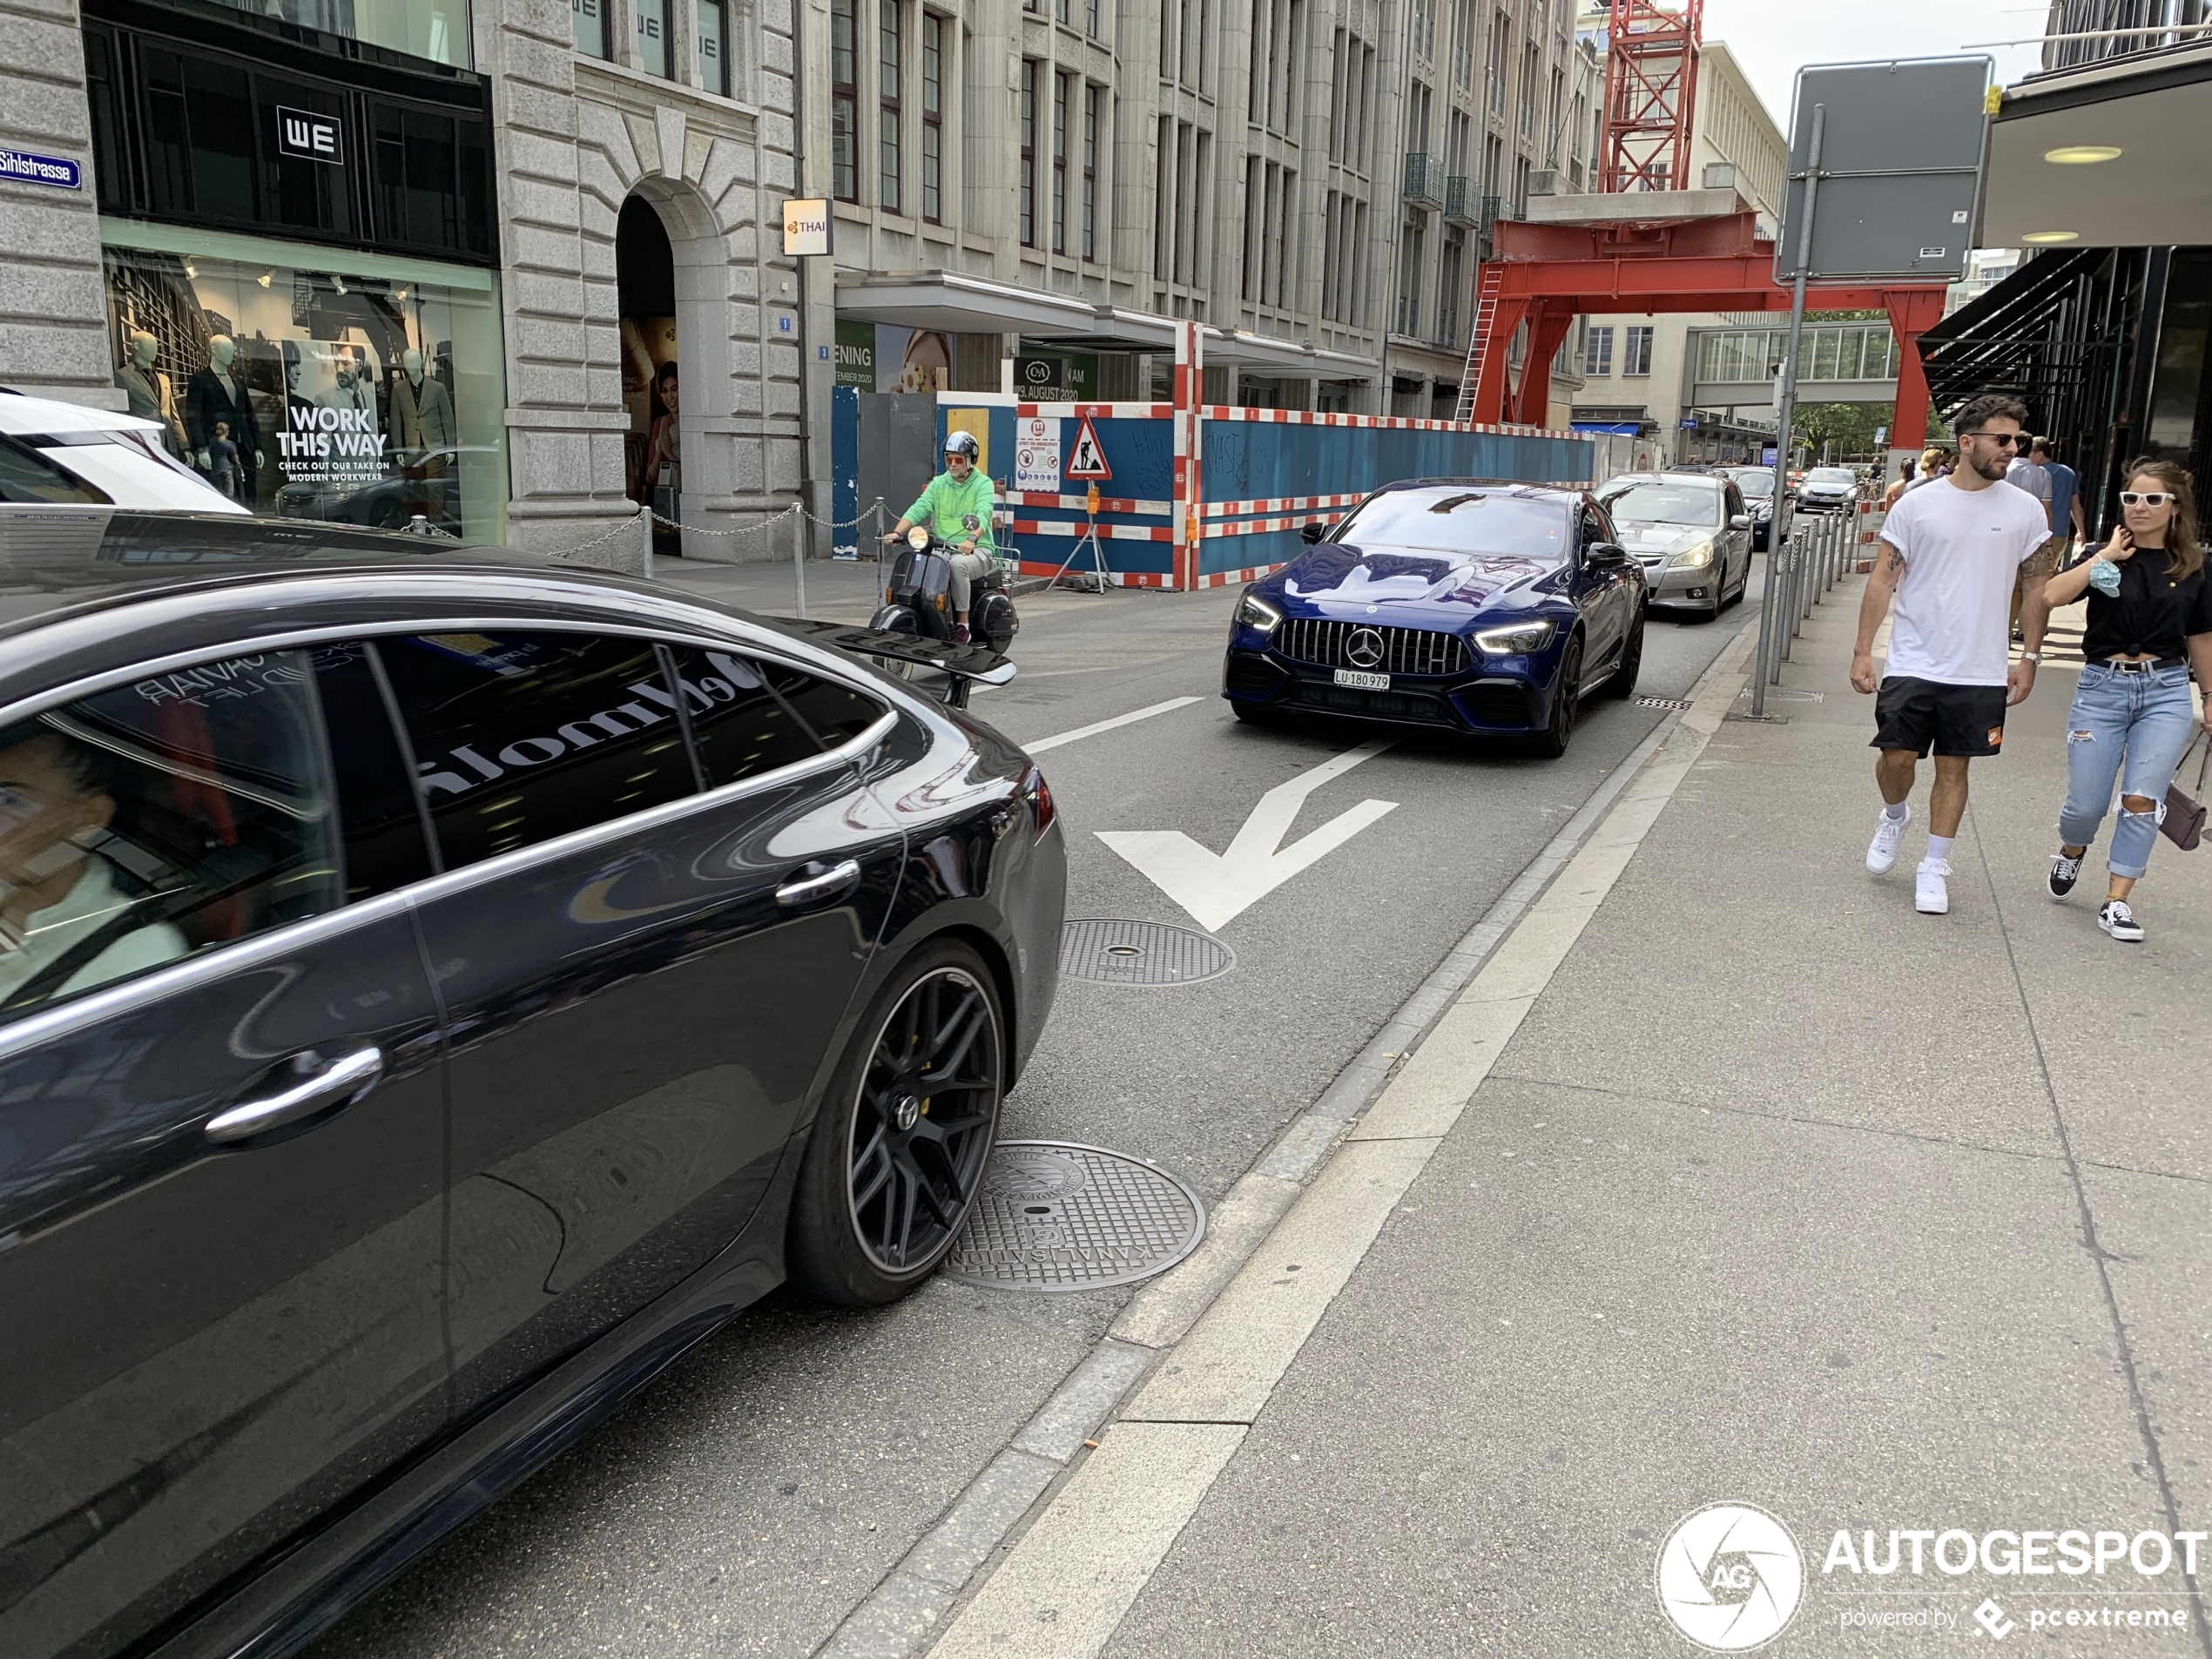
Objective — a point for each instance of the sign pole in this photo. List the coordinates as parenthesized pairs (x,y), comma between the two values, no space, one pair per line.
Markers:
(1767,599)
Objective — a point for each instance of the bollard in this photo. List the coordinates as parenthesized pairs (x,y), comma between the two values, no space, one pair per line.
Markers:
(798,562)
(877,510)
(1788,615)
(645,519)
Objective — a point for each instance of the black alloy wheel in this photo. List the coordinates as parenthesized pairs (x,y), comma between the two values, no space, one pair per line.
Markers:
(1623,683)
(899,1151)
(1566,699)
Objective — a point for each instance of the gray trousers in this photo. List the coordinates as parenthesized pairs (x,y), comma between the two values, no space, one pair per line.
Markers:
(966,567)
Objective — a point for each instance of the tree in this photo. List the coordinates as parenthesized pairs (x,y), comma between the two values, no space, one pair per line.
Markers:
(1850,426)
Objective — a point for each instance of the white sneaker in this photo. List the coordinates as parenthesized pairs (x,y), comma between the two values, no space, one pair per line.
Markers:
(1931,897)
(2119,921)
(1881,852)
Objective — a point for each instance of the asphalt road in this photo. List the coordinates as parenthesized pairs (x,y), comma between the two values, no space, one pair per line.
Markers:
(752,1497)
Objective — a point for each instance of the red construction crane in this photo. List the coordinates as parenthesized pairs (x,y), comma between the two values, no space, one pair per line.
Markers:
(1651,95)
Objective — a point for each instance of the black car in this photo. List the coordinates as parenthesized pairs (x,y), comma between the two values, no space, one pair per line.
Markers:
(1474,605)
(438,989)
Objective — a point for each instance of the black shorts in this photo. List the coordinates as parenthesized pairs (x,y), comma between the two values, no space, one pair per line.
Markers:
(1957,719)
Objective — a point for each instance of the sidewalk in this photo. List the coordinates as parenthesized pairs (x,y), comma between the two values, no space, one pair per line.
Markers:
(837,589)
(1730,1177)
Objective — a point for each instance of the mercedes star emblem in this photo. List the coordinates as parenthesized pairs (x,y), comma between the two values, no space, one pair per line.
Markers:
(1364,648)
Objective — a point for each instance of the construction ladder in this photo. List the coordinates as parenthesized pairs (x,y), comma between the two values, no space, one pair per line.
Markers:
(1486,290)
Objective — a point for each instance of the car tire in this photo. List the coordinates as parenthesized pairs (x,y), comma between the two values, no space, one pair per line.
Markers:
(1623,683)
(1551,741)
(886,1183)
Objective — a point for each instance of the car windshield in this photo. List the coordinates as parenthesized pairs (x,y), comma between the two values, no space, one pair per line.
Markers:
(1660,501)
(1829,476)
(1459,520)
(1756,483)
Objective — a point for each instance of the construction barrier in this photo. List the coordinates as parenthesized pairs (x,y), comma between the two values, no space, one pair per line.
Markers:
(1198,496)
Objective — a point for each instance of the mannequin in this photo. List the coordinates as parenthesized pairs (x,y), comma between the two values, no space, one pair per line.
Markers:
(147,388)
(421,408)
(218,393)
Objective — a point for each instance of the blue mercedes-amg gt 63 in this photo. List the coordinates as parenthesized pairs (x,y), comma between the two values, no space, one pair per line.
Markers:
(1476,606)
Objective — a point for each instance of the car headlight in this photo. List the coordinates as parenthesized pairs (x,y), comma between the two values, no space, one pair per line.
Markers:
(1517,639)
(1691,558)
(1255,612)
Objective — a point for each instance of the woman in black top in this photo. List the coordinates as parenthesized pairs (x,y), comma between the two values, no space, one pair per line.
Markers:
(2150,623)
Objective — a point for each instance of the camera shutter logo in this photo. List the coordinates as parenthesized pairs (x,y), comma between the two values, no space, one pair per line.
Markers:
(313,137)
(1731,1577)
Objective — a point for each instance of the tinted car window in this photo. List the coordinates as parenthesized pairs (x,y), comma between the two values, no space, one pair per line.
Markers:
(140,826)
(1593,530)
(740,727)
(522,736)
(1756,483)
(836,712)
(26,475)
(1447,519)
(1658,502)
(379,822)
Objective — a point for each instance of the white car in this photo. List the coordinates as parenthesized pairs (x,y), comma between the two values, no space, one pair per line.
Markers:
(66,453)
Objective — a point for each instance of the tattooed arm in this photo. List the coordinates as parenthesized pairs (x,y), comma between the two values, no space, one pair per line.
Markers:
(1873,605)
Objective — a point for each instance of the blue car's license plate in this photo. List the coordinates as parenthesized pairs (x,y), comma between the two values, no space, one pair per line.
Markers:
(1365,681)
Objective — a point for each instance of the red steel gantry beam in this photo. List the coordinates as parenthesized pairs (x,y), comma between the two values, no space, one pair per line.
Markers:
(1552,274)
(1651,95)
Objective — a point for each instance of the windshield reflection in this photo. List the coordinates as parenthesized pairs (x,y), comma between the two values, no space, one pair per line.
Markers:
(1457,519)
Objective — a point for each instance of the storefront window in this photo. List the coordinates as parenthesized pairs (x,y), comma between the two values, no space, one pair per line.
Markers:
(371,394)
(437,29)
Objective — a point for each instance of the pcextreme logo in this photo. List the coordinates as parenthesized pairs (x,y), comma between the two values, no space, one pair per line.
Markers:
(1731,1577)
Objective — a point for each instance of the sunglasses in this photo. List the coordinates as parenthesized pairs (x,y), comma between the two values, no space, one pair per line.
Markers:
(2145,498)
(2007,439)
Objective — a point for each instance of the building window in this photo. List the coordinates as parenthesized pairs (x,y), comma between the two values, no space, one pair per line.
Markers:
(1597,352)
(1093,97)
(1280,225)
(1028,191)
(845,106)
(1411,249)
(1635,351)
(932,116)
(653,37)
(1255,219)
(589,18)
(1063,91)
(1448,289)
(713,43)
(1531,65)
(1091,18)
(1162,224)
(1494,70)
(891,62)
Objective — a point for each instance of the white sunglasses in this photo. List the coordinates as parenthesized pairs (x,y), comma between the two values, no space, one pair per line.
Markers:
(2146,498)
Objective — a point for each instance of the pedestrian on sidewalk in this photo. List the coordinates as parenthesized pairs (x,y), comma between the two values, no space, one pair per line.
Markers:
(1950,552)
(2029,471)
(2149,624)
(2066,496)
(1934,463)
(1904,482)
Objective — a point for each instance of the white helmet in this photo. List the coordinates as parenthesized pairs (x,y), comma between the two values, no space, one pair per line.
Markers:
(962,443)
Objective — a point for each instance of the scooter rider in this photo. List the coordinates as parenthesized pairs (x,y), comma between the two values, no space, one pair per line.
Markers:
(956,507)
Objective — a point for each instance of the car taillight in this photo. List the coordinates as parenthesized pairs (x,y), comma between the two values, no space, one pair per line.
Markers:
(1038,794)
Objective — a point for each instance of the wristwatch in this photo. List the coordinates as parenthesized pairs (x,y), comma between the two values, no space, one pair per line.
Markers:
(2031,657)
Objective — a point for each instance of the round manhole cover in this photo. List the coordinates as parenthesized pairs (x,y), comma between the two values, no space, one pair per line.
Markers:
(1054,1215)
(1109,951)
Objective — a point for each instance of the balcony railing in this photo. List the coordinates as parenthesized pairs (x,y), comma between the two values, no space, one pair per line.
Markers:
(1485,238)
(1461,204)
(1424,179)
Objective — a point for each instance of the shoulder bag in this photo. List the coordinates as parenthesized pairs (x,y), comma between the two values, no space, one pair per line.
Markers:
(2182,821)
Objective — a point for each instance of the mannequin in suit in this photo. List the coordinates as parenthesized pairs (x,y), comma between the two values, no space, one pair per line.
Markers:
(421,408)
(147,388)
(218,393)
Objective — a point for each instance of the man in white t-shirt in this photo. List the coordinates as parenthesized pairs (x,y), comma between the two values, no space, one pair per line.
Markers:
(1951,554)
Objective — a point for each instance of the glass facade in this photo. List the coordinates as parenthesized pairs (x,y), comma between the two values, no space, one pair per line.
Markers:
(1846,352)
(315,382)
(437,29)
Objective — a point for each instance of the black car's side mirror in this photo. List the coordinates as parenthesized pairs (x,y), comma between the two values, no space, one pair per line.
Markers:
(1310,534)
(1604,556)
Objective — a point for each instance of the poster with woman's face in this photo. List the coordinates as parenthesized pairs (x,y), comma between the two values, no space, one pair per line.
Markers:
(648,344)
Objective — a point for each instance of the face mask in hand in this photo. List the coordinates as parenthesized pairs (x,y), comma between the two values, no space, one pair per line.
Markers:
(2104,576)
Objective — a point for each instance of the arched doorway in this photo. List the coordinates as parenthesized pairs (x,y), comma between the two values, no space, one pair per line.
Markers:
(652,395)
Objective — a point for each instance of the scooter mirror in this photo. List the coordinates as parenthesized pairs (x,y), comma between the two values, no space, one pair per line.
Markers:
(918,538)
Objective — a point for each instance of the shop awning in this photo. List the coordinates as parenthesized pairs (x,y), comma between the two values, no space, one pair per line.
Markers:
(2148,109)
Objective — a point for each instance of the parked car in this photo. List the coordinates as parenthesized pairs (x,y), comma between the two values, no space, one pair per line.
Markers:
(1757,486)
(1691,533)
(1828,489)
(66,453)
(446,987)
(1472,605)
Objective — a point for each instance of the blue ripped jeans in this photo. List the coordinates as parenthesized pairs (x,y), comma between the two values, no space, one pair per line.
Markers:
(2128,729)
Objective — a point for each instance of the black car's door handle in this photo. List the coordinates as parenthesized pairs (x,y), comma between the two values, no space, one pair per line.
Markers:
(807,888)
(340,1081)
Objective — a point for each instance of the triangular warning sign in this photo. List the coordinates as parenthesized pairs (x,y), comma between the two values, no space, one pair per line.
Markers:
(1087,459)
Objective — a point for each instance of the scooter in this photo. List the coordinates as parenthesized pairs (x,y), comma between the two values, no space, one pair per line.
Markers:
(916,596)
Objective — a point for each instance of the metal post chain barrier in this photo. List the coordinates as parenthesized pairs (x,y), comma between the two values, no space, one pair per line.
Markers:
(799,559)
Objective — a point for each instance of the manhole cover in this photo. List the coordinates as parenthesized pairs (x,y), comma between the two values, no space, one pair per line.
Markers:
(1662,703)
(1054,1215)
(1111,952)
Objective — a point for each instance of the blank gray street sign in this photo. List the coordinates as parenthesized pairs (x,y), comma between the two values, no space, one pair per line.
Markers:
(1900,169)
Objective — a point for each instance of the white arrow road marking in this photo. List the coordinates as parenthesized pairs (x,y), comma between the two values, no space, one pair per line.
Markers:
(1214,889)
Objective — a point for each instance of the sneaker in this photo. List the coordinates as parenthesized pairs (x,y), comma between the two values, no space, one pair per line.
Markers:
(959,633)
(2065,872)
(2119,921)
(1931,897)
(1881,852)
